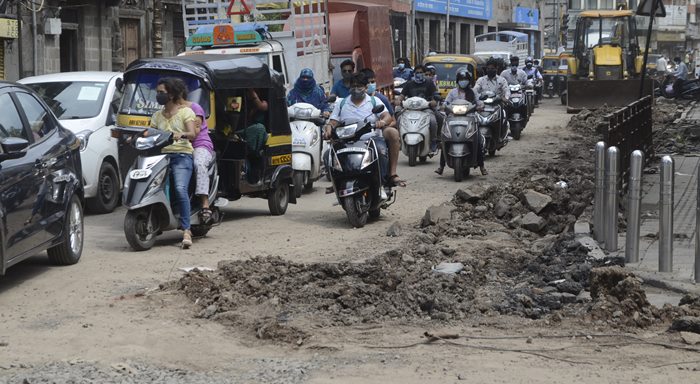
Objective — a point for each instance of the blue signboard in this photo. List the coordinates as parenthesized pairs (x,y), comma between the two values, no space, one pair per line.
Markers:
(473,9)
(530,16)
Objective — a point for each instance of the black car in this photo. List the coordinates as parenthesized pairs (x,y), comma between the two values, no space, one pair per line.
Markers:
(41,195)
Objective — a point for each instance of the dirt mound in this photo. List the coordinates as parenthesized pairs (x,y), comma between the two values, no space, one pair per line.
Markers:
(589,122)
(618,296)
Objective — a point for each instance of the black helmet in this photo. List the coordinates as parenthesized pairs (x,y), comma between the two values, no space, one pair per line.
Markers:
(463,74)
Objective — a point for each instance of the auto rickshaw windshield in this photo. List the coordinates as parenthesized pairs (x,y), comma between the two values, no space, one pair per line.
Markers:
(140,92)
(552,64)
(447,72)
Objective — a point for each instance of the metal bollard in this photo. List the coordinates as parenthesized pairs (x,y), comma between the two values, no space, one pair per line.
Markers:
(611,171)
(697,233)
(598,201)
(634,202)
(666,216)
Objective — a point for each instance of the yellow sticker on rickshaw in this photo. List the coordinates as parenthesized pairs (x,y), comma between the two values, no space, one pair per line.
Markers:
(281,159)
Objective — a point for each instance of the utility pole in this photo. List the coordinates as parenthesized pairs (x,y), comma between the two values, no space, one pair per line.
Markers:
(413,32)
(447,29)
(555,30)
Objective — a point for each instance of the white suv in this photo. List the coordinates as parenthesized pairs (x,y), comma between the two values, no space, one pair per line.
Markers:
(86,103)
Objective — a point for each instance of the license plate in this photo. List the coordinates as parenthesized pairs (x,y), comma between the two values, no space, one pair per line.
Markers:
(299,142)
(138,174)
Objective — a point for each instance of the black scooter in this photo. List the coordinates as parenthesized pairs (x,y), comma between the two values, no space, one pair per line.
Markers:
(517,110)
(460,138)
(493,123)
(356,172)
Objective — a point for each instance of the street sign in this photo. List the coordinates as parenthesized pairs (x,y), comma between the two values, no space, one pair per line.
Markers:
(644,8)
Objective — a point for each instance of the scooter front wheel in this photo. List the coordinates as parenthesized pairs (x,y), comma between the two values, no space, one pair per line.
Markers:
(352,206)
(140,229)
(412,155)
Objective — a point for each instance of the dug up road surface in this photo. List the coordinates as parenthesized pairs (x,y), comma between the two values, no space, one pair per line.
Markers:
(118,316)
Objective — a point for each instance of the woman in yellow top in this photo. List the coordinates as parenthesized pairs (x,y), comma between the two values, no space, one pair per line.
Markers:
(180,120)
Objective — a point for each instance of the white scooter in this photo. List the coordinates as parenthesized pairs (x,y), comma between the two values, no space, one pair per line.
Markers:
(305,121)
(414,129)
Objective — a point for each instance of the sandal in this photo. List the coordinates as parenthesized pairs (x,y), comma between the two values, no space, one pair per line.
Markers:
(395,181)
(439,170)
(206,215)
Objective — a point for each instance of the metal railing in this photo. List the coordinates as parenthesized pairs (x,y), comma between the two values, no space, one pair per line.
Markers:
(630,129)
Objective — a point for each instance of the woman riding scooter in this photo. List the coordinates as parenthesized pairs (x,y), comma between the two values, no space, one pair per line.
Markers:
(463,91)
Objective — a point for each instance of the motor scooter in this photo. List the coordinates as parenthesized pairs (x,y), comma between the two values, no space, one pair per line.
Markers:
(306,122)
(149,192)
(460,138)
(517,111)
(530,95)
(493,123)
(690,90)
(356,170)
(414,129)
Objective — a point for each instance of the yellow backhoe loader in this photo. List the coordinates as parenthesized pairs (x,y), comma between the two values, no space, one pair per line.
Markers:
(607,61)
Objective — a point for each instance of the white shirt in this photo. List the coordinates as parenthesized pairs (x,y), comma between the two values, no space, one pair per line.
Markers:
(661,65)
(352,112)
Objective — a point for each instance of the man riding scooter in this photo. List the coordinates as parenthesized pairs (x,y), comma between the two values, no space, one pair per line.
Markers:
(514,75)
(531,70)
(421,87)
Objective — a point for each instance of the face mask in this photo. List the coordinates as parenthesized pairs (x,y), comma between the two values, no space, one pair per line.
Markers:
(419,77)
(528,65)
(357,93)
(402,65)
(162,98)
(463,83)
(514,69)
(491,73)
(371,88)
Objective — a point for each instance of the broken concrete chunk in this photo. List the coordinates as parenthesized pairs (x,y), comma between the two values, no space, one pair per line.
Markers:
(536,201)
(686,324)
(448,267)
(504,205)
(472,193)
(394,230)
(690,338)
(532,222)
(436,214)
(582,227)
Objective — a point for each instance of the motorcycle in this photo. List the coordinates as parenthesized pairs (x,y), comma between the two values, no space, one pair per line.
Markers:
(305,121)
(690,90)
(149,193)
(460,138)
(530,95)
(493,123)
(414,129)
(356,172)
(518,113)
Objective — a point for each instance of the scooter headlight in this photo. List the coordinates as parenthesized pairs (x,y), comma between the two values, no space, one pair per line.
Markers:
(459,109)
(146,142)
(346,131)
(156,183)
(515,100)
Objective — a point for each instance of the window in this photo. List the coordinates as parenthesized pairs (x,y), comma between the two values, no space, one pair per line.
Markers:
(39,119)
(10,122)
(277,65)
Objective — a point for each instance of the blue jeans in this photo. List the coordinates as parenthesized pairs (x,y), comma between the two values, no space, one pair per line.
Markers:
(181,166)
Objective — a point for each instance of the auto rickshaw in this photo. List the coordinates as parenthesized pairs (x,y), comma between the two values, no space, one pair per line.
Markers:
(446,67)
(550,67)
(252,161)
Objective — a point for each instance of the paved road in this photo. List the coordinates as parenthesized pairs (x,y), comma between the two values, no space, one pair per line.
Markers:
(87,311)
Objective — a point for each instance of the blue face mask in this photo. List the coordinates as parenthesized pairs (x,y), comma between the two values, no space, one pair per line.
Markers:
(402,65)
(463,83)
(371,88)
(419,77)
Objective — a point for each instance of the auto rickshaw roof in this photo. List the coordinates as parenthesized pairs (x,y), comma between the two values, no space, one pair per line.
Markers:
(221,71)
(606,13)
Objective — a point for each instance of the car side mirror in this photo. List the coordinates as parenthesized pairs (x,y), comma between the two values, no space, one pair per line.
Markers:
(378,109)
(12,147)
(119,84)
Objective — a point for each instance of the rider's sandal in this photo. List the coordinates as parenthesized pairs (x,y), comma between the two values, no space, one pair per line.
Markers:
(206,215)
(395,181)
(439,170)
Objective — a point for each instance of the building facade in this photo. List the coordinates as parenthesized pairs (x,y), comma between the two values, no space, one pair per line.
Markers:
(85,35)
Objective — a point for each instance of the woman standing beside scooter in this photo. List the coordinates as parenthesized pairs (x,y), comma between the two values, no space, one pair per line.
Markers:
(180,120)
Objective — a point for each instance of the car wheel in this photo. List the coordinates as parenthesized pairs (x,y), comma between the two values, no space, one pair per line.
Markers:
(107,190)
(71,247)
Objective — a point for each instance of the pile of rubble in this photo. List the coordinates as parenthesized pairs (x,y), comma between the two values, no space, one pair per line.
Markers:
(506,249)
(673,134)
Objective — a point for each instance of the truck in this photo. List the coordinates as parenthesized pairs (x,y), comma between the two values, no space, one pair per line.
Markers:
(362,32)
(286,36)
(502,45)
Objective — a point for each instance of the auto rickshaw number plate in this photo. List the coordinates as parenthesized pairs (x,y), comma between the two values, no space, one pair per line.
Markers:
(281,159)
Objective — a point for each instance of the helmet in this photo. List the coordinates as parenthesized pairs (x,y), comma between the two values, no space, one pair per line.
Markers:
(528,60)
(462,74)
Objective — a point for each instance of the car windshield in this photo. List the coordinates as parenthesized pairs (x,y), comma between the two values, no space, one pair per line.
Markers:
(447,72)
(72,99)
(140,92)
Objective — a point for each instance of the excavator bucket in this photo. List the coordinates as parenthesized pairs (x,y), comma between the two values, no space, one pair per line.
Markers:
(593,94)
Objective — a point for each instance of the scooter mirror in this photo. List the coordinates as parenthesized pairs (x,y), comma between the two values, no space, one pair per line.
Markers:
(378,109)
